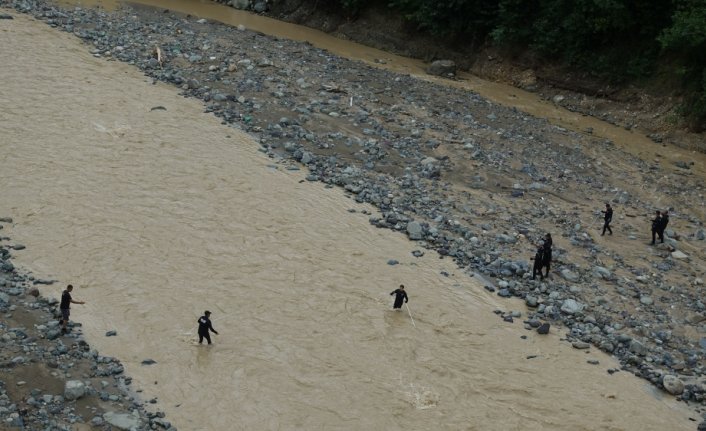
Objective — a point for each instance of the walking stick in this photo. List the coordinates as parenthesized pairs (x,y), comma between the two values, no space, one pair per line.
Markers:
(594,222)
(410,314)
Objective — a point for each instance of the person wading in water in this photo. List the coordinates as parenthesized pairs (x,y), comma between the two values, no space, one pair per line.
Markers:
(400,295)
(205,326)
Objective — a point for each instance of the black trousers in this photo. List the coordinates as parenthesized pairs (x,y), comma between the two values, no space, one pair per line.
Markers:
(654,232)
(661,235)
(206,335)
(606,225)
(537,268)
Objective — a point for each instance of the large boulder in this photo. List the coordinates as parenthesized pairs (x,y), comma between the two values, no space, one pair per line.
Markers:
(571,306)
(74,389)
(543,328)
(122,421)
(673,384)
(415,230)
(445,68)
(239,4)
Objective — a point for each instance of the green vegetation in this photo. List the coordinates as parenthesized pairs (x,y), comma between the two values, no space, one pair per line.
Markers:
(616,40)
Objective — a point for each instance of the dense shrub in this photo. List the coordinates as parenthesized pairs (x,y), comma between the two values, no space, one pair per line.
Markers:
(617,40)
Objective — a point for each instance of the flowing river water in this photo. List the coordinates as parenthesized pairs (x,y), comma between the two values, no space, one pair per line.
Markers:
(157,215)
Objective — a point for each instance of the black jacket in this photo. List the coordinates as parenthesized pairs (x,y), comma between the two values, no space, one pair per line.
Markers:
(664,222)
(608,215)
(205,325)
(656,223)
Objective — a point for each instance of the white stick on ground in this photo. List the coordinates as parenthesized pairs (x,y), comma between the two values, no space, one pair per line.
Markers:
(410,314)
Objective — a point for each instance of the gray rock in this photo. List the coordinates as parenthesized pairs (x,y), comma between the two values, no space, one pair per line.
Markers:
(74,389)
(569,275)
(111,333)
(442,68)
(580,345)
(505,239)
(679,255)
(694,318)
(414,230)
(638,348)
(606,346)
(531,301)
(307,157)
(646,300)
(53,334)
(543,328)
(162,423)
(673,384)
(258,7)
(571,306)
(122,421)
(701,235)
(602,272)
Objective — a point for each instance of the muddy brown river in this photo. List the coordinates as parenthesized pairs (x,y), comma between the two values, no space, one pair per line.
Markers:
(158,215)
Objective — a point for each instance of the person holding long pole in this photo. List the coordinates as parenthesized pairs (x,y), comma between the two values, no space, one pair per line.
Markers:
(400,297)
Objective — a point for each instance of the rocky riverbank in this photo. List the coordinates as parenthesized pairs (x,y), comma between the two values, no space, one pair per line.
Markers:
(470,180)
(54,381)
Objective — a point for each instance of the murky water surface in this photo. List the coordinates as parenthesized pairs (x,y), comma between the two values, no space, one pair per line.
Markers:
(157,215)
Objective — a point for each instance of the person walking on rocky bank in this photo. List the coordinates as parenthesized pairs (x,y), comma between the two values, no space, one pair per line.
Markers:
(656,224)
(547,252)
(400,295)
(664,221)
(205,326)
(65,307)
(607,218)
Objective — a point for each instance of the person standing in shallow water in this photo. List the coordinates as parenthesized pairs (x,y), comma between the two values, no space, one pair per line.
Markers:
(65,307)
(205,326)
(400,295)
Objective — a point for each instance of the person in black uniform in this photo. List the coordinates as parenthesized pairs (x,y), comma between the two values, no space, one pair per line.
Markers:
(547,253)
(205,326)
(607,219)
(656,224)
(65,307)
(664,221)
(538,262)
(400,295)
